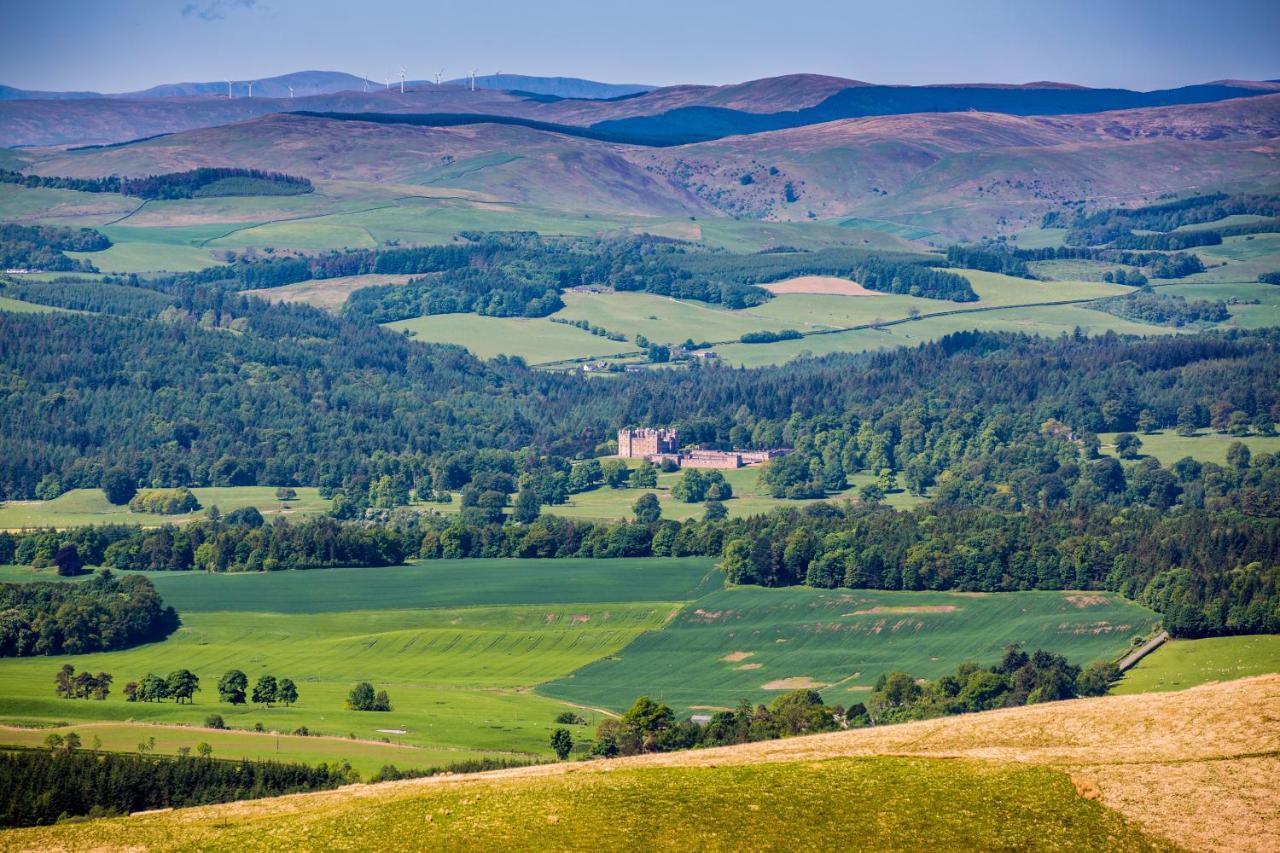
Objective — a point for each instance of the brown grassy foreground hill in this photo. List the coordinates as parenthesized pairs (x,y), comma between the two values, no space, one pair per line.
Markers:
(1198,770)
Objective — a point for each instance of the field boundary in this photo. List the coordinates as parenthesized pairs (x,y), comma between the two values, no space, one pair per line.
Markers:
(1130,660)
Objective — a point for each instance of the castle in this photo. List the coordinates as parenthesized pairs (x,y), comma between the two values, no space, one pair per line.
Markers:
(659,445)
(643,443)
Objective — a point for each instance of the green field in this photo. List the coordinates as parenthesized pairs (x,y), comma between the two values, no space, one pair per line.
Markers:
(17,306)
(457,644)
(753,642)
(887,803)
(90,506)
(1180,664)
(1168,447)
(365,756)
(141,256)
(534,340)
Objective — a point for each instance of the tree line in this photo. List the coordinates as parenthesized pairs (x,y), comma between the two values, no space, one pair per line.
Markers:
(193,183)
(104,613)
(40,787)
(41,247)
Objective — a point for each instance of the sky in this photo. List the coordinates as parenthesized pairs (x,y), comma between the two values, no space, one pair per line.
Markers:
(123,45)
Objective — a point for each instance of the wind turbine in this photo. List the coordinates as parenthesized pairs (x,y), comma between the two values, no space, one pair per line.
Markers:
(438,73)
(473,78)
(402,79)
(366,84)
(250,88)
(496,75)
(291,93)
(229,95)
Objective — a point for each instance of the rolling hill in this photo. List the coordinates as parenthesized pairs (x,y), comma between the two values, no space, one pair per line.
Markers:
(962,174)
(511,164)
(685,113)
(1193,770)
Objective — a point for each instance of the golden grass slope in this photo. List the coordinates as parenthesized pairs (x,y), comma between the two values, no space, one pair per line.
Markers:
(1199,769)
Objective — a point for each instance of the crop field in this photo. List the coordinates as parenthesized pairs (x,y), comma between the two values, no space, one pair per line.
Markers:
(1168,447)
(1180,664)
(753,642)
(535,340)
(1194,769)
(90,506)
(443,583)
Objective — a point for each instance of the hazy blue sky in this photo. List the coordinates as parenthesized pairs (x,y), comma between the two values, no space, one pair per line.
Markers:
(117,45)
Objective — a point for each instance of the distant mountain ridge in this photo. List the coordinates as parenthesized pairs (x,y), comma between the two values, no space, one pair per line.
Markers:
(671,115)
(702,123)
(558,87)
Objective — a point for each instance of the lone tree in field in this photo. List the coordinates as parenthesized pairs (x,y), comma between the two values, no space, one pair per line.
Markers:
(266,691)
(562,743)
(118,486)
(287,691)
(232,687)
(647,509)
(182,684)
(68,561)
(1128,445)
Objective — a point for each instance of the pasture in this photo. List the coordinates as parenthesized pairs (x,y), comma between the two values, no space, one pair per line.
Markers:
(748,498)
(458,645)
(687,808)
(1205,446)
(751,642)
(1180,664)
(365,756)
(79,507)
(535,340)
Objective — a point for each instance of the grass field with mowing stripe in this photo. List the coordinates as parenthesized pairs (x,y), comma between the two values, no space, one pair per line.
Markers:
(457,644)
(753,642)
(1180,664)
(457,677)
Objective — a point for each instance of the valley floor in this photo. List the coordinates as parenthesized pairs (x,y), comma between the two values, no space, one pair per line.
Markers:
(1198,769)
